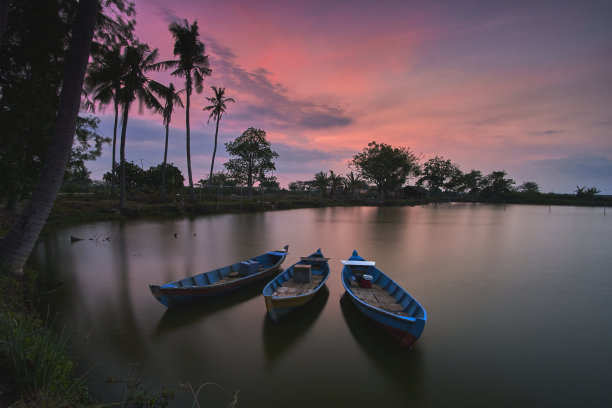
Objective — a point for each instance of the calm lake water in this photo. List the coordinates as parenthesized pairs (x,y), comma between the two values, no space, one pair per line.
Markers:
(518,300)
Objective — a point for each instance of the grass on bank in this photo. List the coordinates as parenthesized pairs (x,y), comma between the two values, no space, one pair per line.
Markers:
(36,367)
(37,370)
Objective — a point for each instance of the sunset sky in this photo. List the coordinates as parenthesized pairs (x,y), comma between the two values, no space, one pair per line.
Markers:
(520,86)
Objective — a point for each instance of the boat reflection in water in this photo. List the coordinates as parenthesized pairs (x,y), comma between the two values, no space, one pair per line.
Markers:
(280,337)
(398,366)
(189,314)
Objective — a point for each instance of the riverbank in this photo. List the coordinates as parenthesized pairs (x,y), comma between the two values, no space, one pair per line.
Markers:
(101,206)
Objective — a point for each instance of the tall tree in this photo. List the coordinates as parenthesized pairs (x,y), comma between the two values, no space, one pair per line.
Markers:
(17,244)
(352,182)
(321,181)
(32,58)
(386,166)
(217,109)
(335,181)
(138,59)
(171,97)
(87,147)
(104,82)
(254,157)
(192,63)
(439,174)
(471,182)
(495,185)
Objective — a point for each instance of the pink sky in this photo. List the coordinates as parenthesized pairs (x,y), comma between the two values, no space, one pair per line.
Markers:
(521,86)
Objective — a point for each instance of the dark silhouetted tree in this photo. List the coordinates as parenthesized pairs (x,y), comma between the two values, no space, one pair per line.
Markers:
(253,157)
(387,167)
(217,109)
(193,65)
(171,98)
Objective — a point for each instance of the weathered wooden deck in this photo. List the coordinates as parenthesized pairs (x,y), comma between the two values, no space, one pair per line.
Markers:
(379,298)
(292,288)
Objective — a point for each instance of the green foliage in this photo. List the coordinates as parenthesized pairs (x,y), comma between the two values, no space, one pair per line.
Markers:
(219,178)
(586,192)
(253,157)
(270,183)
(529,187)
(32,55)
(321,181)
(495,185)
(387,167)
(440,175)
(299,186)
(134,176)
(34,362)
(353,182)
(471,182)
(87,147)
(152,178)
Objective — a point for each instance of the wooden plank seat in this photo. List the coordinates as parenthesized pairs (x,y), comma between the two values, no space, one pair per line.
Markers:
(292,288)
(379,298)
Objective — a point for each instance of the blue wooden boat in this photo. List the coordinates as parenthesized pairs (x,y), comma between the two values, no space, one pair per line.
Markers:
(382,300)
(297,285)
(221,280)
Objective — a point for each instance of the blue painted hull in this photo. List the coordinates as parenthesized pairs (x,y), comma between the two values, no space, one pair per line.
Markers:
(220,281)
(278,307)
(405,323)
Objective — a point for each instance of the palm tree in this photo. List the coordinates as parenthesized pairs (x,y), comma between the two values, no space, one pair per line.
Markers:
(321,180)
(104,81)
(134,85)
(335,181)
(17,244)
(217,109)
(352,182)
(171,97)
(191,64)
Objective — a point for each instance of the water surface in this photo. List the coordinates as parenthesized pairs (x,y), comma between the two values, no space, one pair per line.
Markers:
(517,298)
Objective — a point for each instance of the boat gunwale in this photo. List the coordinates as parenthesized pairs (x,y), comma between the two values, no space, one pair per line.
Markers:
(216,285)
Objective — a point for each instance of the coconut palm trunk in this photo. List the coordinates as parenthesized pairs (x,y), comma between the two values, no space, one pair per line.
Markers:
(163,186)
(113,167)
(122,194)
(187,105)
(217,109)
(212,163)
(17,244)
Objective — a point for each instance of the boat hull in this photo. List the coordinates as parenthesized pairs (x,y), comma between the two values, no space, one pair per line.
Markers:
(404,319)
(280,306)
(406,333)
(177,293)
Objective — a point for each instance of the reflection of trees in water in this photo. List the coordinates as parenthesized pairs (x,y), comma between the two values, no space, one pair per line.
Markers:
(279,337)
(400,367)
(117,312)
